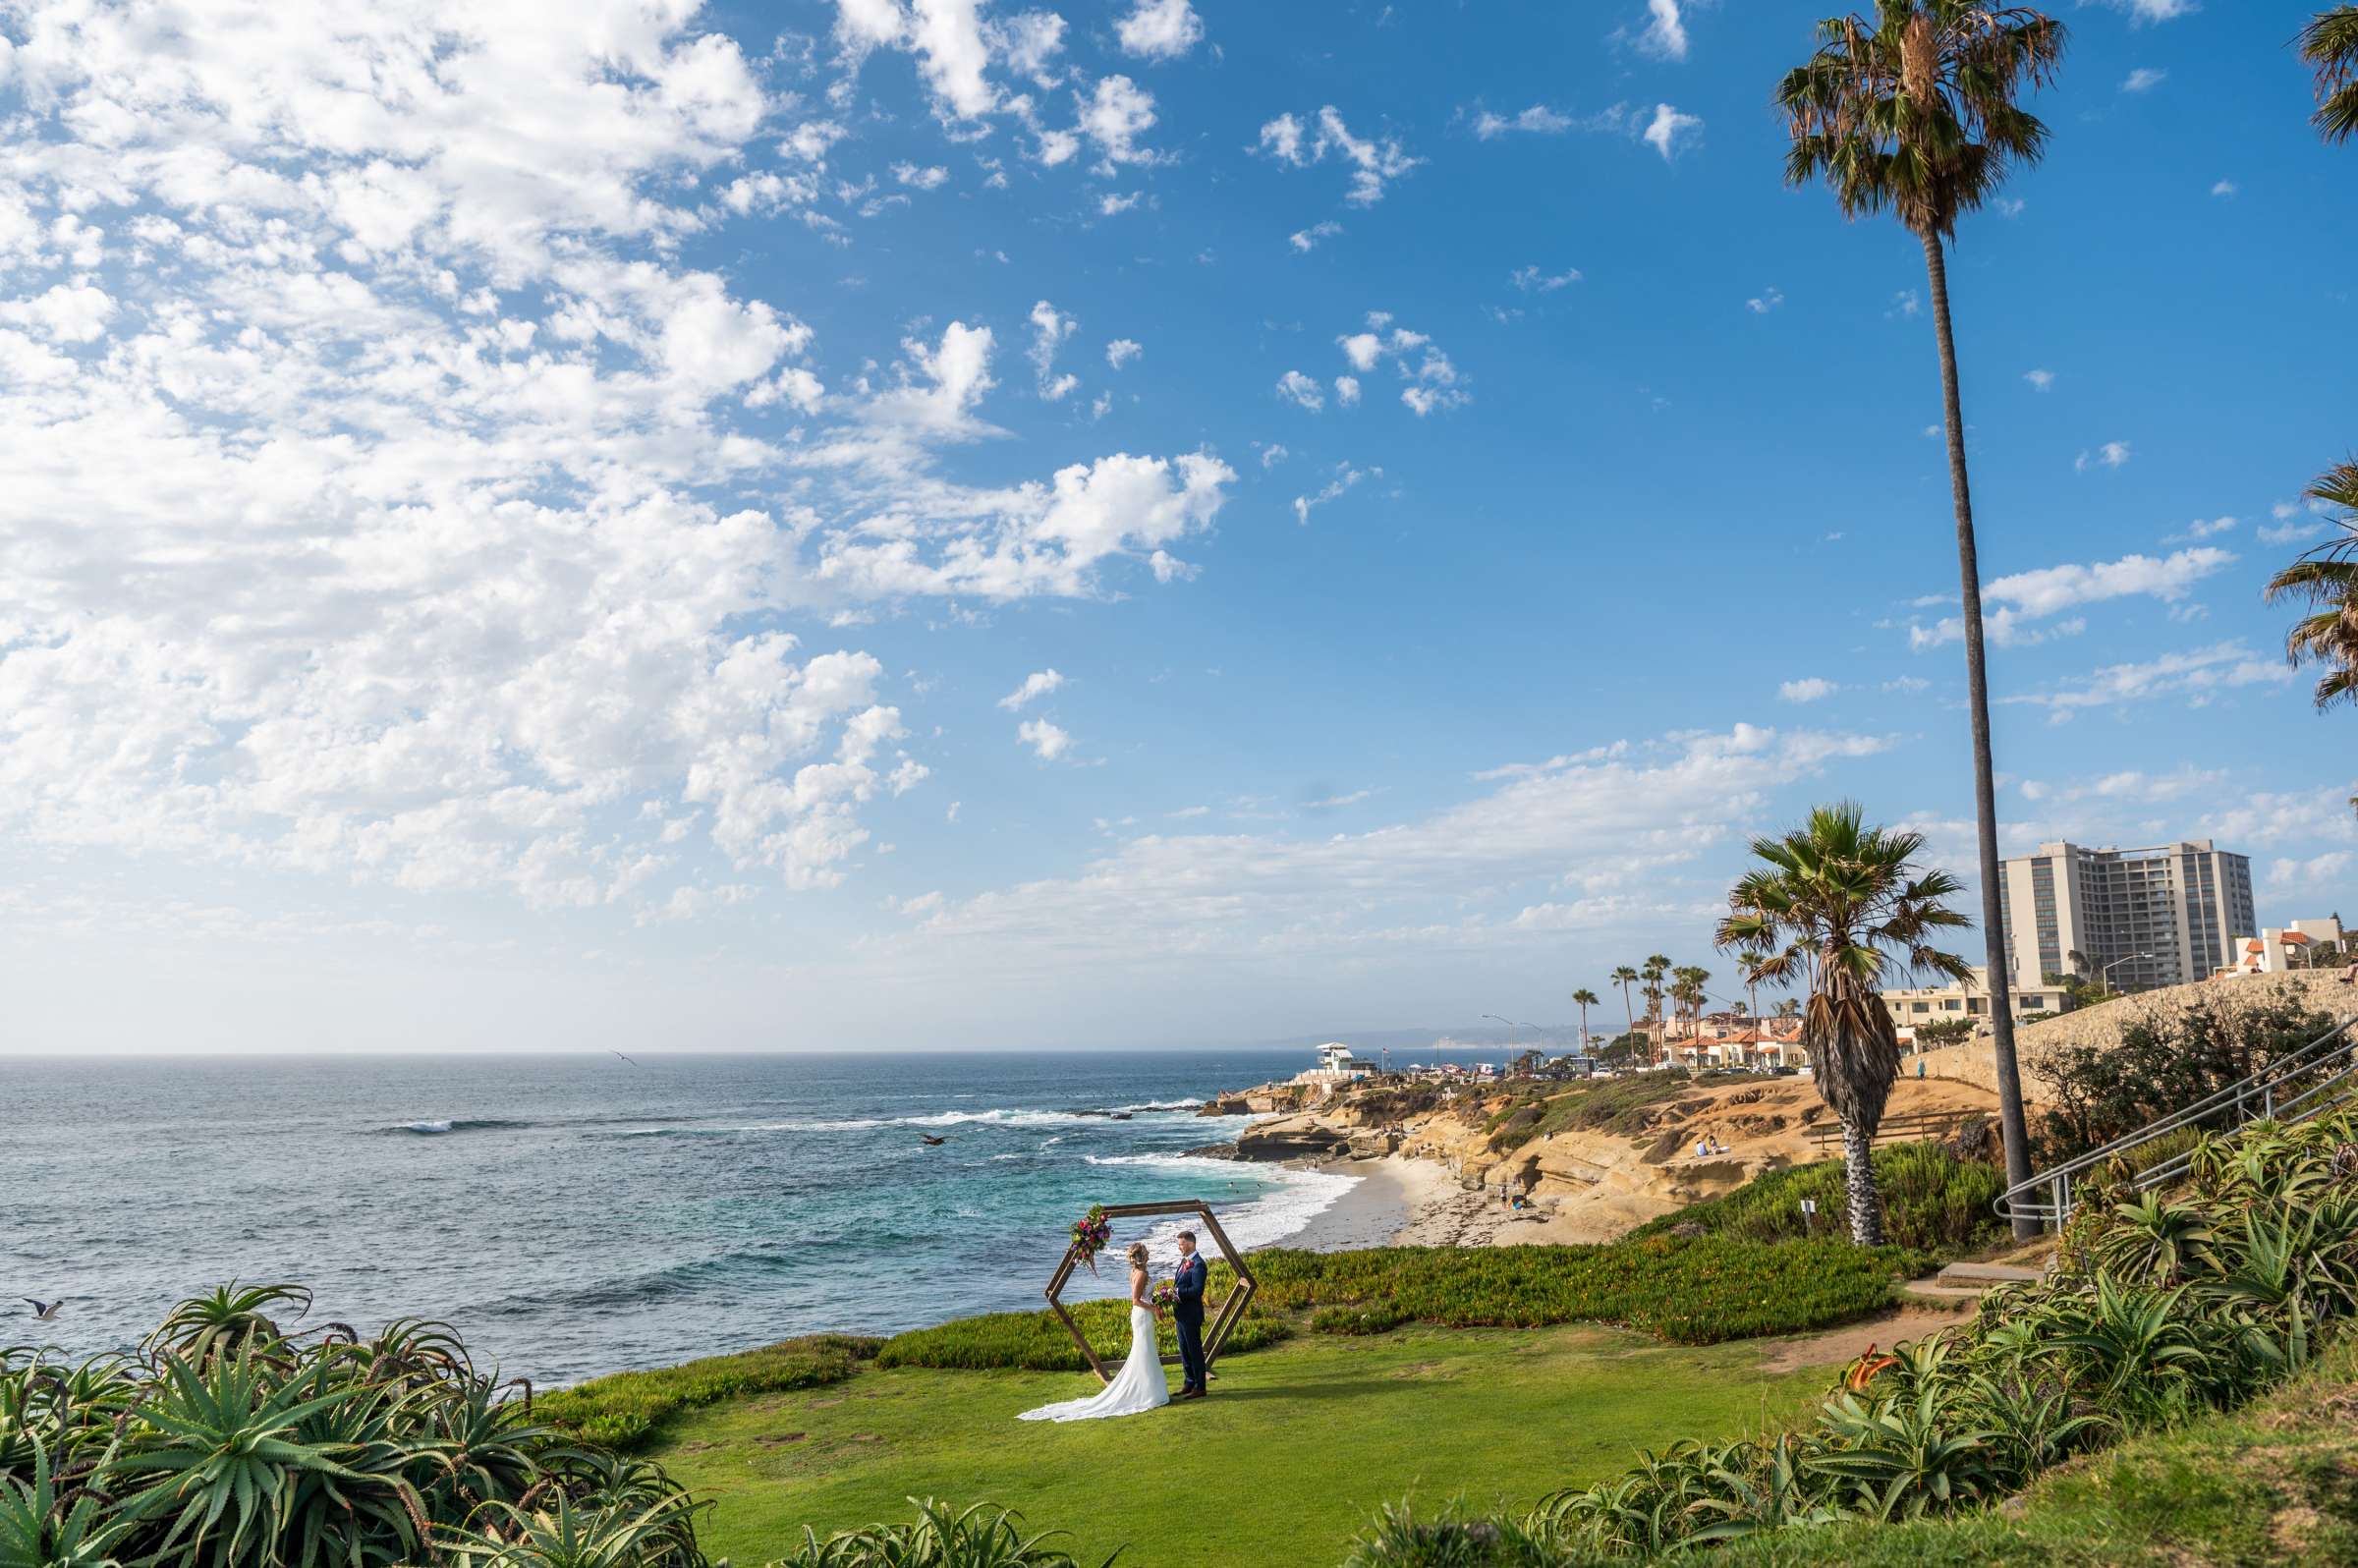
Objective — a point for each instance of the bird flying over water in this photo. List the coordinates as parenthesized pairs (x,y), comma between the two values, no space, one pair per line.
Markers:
(44,1311)
(624,1058)
(929,1141)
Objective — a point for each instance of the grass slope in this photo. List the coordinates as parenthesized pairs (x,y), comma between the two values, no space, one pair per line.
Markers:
(1277,1469)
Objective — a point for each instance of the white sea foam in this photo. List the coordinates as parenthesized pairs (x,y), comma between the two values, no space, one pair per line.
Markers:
(1262,1220)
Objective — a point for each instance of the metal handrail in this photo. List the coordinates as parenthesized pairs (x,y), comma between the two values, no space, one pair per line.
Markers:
(2047,1195)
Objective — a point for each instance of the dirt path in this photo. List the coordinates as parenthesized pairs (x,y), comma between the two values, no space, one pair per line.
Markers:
(1835,1346)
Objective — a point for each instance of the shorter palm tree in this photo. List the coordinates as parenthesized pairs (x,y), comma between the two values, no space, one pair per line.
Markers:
(2327,578)
(1584,999)
(1837,905)
(2329,43)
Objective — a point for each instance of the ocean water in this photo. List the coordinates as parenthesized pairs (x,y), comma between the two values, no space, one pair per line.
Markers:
(579,1214)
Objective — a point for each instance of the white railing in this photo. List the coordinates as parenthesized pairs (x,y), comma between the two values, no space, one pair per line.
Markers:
(2315,1079)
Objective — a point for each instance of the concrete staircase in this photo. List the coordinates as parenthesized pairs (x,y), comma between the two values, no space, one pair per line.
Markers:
(1962,1284)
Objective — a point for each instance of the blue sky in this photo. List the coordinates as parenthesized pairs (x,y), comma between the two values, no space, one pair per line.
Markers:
(894,524)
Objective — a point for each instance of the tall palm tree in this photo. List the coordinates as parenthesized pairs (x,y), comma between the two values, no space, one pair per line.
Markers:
(2329,43)
(1837,905)
(1656,965)
(2327,578)
(1913,111)
(1625,977)
(1584,999)
(1687,989)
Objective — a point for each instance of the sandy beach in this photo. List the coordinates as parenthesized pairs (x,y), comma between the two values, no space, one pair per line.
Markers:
(1400,1202)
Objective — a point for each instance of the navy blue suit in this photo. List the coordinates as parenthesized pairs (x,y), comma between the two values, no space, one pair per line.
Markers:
(1187,1320)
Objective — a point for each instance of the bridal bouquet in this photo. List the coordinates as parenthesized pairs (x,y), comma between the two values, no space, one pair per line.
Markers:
(1165,1295)
(1089,1232)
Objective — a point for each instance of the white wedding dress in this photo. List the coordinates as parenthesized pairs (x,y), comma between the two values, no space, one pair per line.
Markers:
(1140,1387)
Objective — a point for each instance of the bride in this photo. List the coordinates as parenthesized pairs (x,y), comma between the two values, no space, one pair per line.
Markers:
(1140,1387)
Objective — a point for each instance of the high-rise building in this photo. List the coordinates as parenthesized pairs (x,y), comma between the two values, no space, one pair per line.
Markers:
(2184,904)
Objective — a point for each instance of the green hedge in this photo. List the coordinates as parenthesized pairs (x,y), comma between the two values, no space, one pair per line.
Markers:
(1037,1342)
(1695,1291)
(620,1411)
(1932,1200)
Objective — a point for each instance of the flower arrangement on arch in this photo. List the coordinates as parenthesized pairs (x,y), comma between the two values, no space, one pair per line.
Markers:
(1091,1232)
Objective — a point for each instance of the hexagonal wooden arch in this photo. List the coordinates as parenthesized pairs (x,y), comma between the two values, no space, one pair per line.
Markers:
(1215,1334)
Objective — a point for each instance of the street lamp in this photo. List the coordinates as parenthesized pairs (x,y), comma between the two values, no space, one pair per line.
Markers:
(2106,972)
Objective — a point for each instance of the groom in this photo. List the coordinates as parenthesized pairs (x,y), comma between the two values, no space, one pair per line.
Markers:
(1187,1317)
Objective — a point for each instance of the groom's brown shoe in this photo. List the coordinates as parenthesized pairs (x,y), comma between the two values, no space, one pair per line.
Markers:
(1188,1393)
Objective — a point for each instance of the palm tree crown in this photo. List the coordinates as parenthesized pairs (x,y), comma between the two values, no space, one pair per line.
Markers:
(1914,109)
(2326,578)
(1838,905)
(2329,43)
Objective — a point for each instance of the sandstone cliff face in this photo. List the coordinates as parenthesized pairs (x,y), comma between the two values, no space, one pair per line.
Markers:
(1606,1183)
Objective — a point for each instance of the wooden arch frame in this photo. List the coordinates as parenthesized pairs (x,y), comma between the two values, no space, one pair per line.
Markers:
(1240,1296)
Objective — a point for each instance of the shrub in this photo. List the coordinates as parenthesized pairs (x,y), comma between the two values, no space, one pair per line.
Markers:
(1932,1201)
(2161,1064)
(228,1439)
(621,1410)
(2158,1309)
(1037,1342)
(1694,1291)
(986,1535)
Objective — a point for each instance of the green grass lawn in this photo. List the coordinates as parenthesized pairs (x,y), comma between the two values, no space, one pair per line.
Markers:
(1277,1469)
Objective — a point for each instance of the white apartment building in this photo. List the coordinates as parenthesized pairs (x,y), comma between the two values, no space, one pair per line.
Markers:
(1912,1005)
(2185,904)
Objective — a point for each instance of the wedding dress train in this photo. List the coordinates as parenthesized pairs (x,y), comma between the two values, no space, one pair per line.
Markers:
(1140,1386)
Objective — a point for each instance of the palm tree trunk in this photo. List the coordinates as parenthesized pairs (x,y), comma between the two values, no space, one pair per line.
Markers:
(1857,1181)
(1985,789)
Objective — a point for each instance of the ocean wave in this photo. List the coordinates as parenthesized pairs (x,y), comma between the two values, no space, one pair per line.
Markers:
(455,1124)
(1261,1220)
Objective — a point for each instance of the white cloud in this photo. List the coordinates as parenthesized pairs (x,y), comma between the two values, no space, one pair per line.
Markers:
(1048,741)
(1121,351)
(1346,391)
(1671,133)
(2200,675)
(1665,33)
(1036,684)
(1345,477)
(1765,301)
(1433,381)
(1907,302)
(2041,380)
(1373,160)
(1538,119)
(1302,390)
(2023,598)
(2200,529)
(1114,116)
(930,178)
(2224,187)
(1160,29)
(1112,204)
(2141,12)
(1907,684)
(1274,454)
(1810,689)
(1306,240)
(2143,80)
(2291,532)
(1050,329)
(1531,280)
(1617,817)
(2112,455)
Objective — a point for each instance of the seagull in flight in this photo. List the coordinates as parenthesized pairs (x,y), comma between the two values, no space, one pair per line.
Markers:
(44,1311)
(624,1058)
(929,1141)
